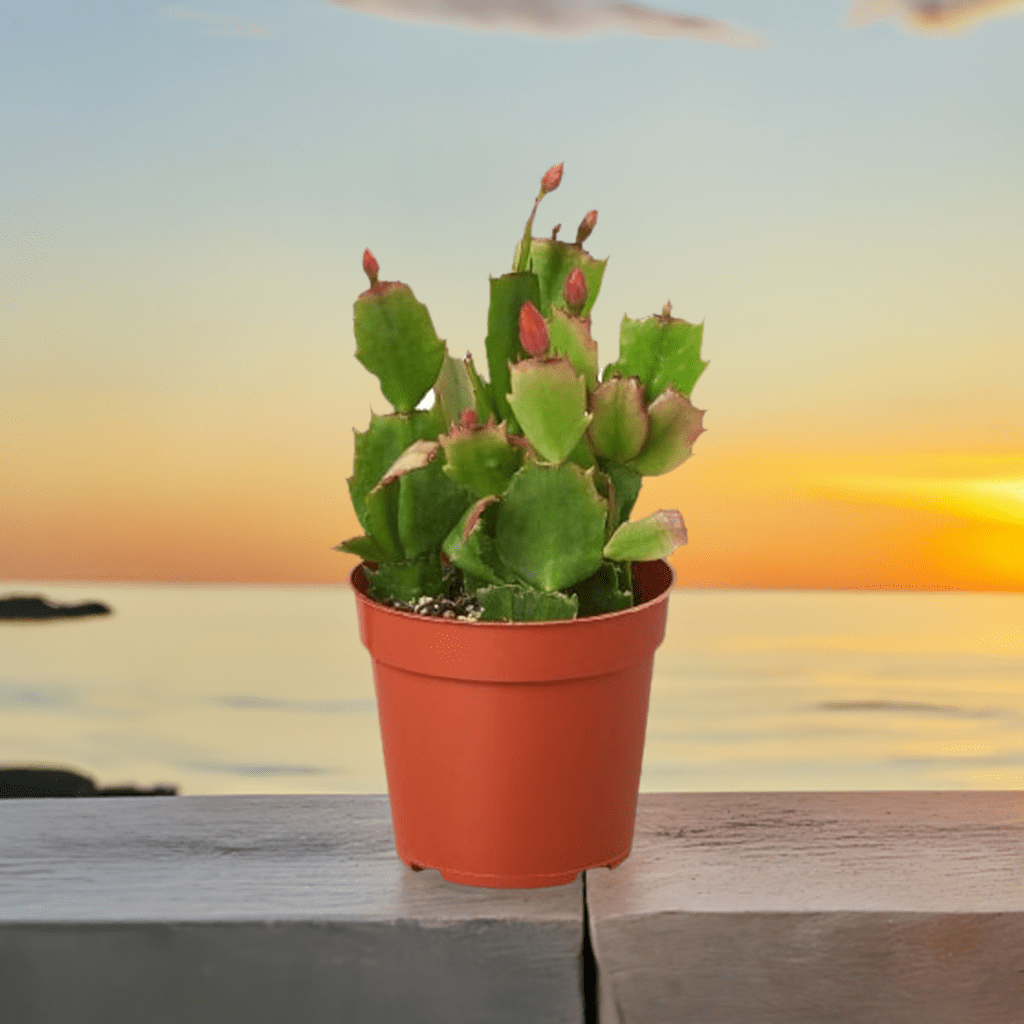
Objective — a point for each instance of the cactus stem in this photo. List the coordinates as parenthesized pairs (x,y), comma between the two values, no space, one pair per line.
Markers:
(370,267)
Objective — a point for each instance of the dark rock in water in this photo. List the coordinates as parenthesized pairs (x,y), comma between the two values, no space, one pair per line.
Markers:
(23,606)
(42,782)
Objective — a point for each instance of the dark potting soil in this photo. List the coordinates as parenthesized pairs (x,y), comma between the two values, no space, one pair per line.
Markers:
(464,607)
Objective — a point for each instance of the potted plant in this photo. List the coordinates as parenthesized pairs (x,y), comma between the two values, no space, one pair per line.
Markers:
(511,607)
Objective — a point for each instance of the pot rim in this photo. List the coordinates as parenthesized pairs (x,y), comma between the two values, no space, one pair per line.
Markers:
(387,610)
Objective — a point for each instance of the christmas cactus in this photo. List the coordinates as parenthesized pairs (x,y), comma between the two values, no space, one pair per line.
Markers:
(509,500)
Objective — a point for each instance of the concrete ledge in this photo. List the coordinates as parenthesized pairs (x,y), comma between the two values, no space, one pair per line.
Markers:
(861,908)
(253,909)
(876,908)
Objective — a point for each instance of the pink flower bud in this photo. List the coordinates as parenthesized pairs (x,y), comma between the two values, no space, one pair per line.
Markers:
(533,332)
(575,291)
(586,227)
(469,418)
(551,179)
(371,268)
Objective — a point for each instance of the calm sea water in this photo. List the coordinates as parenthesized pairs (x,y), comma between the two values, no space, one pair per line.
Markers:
(225,689)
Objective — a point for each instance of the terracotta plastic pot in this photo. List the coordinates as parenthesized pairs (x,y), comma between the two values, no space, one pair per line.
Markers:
(513,750)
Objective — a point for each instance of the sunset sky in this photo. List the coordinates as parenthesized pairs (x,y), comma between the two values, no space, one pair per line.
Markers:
(186,193)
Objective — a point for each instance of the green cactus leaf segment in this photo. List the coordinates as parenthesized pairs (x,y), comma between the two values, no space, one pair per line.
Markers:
(550,525)
(406,581)
(549,400)
(656,536)
(429,505)
(481,460)
(365,547)
(381,513)
(418,455)
(626,487)
(454,389)
(482,400)
(377,448)
(582,455)
(508,293)
(395,339)
(515,603)
(470,545)
(619,427)
(603,592)
(553,261)
(674,425)
(570,337)
(662,351)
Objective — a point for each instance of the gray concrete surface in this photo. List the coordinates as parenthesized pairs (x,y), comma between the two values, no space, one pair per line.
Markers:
(262,909)
(883,908)
(790,908)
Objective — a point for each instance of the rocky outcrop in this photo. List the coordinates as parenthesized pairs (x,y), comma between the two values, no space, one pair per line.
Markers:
(25,607)
(54,782)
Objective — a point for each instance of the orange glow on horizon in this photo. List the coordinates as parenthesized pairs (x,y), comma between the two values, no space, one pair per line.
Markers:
(756,519)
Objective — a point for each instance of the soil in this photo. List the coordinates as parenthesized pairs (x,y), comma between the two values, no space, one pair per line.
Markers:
(464,608)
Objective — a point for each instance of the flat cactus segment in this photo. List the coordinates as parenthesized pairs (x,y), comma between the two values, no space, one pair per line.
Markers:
(508,293)
(570,337)
(582,454)
(406,581)
(549,400)
(395,339)
(674,425)
(429,505)
(550,525)
(626,483)
(656,536)
(381,513)
(514,603)
(619,427)
(471,548)
(481,460)
(662,351)
(553,261)
(454,389)
(482,399)
(603,592)
(418,455)
(377,448)
(365,547)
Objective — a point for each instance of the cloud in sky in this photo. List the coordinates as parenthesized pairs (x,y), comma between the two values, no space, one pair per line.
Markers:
(558,18)
(219,24)
(933,16)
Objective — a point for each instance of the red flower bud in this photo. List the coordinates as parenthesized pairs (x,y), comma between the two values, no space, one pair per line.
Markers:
(586,227)
(575,291)
(533,331)
(551,179)
(371,268)
(469,418)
